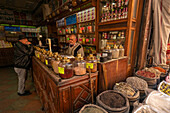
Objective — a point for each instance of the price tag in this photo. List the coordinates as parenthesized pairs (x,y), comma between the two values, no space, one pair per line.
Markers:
(46,62)
(61,70)
(89,64)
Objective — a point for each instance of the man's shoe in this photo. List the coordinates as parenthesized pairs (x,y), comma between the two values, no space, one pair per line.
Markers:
(24,94)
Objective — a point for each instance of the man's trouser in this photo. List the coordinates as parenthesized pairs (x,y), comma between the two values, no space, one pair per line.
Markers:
(22,76)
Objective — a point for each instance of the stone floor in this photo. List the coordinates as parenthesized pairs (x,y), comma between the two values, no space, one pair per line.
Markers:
(10,102)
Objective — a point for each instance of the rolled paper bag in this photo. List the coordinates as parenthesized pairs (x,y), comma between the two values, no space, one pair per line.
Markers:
(49,42)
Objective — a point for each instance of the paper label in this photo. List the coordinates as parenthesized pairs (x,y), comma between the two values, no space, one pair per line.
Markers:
(89,64)
(61,70)
(46,62)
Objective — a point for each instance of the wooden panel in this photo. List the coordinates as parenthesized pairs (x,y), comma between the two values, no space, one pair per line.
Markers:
(111,72)
(122,69)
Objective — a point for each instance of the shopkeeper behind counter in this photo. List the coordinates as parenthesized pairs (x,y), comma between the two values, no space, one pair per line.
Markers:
(74,47)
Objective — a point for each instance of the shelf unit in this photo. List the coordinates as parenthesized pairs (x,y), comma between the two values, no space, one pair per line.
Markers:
(129,21)
(130,25)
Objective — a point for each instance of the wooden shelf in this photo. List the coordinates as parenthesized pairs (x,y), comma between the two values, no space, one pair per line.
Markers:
(87,21)
(61,35)
(112,29)
(86,33)
(71,24)
(113,22)
(71,33)
(88,45)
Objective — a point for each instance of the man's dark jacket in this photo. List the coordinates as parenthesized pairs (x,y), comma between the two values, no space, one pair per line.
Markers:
(22,55)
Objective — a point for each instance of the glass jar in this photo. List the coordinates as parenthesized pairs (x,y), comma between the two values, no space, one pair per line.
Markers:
(109,52)
(43,55)
(92,63)
(79,65)
(48,60)
(121,51)
(115,52)
(55,64)
(65,68)
(37,52)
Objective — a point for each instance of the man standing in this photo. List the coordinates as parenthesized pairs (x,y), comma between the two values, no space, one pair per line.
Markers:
(74,48)
(23,51)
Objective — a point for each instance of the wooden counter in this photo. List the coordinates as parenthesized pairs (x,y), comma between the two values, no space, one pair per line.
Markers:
(111,72)
(62,95)
(6,56)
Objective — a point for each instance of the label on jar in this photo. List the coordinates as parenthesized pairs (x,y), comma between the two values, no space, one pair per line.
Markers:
(89,64)
(46,62)
(61,70)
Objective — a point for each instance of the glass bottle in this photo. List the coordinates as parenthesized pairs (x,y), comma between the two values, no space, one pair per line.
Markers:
(89,28)
(92,63)
(115,52)
(65,68)
(79,65)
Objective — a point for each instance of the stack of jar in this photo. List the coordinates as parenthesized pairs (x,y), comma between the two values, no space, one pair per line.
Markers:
(64,67)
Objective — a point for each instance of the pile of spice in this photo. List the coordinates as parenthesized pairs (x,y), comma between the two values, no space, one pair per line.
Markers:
(153,70)
(160,69)
(125,88)
(90,108)
(138,83)
(113,99)
(146,74)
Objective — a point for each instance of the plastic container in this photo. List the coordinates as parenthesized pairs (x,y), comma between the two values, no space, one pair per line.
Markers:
(79,65)
(92,63)
(65,69)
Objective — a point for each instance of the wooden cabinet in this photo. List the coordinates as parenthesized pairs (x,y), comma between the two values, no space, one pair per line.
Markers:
(111,72)
(6,56)
(62,95)
(118,16)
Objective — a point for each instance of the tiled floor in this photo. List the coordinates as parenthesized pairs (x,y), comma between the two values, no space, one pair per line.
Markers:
(10,102)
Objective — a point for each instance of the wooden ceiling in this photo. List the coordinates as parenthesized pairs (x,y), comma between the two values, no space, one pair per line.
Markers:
(20,5)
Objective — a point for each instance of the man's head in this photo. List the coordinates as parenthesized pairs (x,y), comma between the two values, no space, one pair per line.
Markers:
(23,39)
(72,39)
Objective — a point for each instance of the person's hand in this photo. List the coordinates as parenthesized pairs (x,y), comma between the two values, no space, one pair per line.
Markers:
(28,43)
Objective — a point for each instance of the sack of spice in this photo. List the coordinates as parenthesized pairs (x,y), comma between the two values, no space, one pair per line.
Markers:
(143,109)
(130,92)
(113,101)
(139,84)
(91,108)
(158,102)
(153,70)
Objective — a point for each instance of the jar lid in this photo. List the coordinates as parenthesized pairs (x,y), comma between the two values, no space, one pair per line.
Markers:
(108,47)
(90,57)
(121,47)
(115,47)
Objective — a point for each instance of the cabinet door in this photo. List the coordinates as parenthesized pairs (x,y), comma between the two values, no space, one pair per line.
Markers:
(81,94)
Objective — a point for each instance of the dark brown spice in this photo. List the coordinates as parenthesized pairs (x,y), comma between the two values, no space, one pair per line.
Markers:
(113,100)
